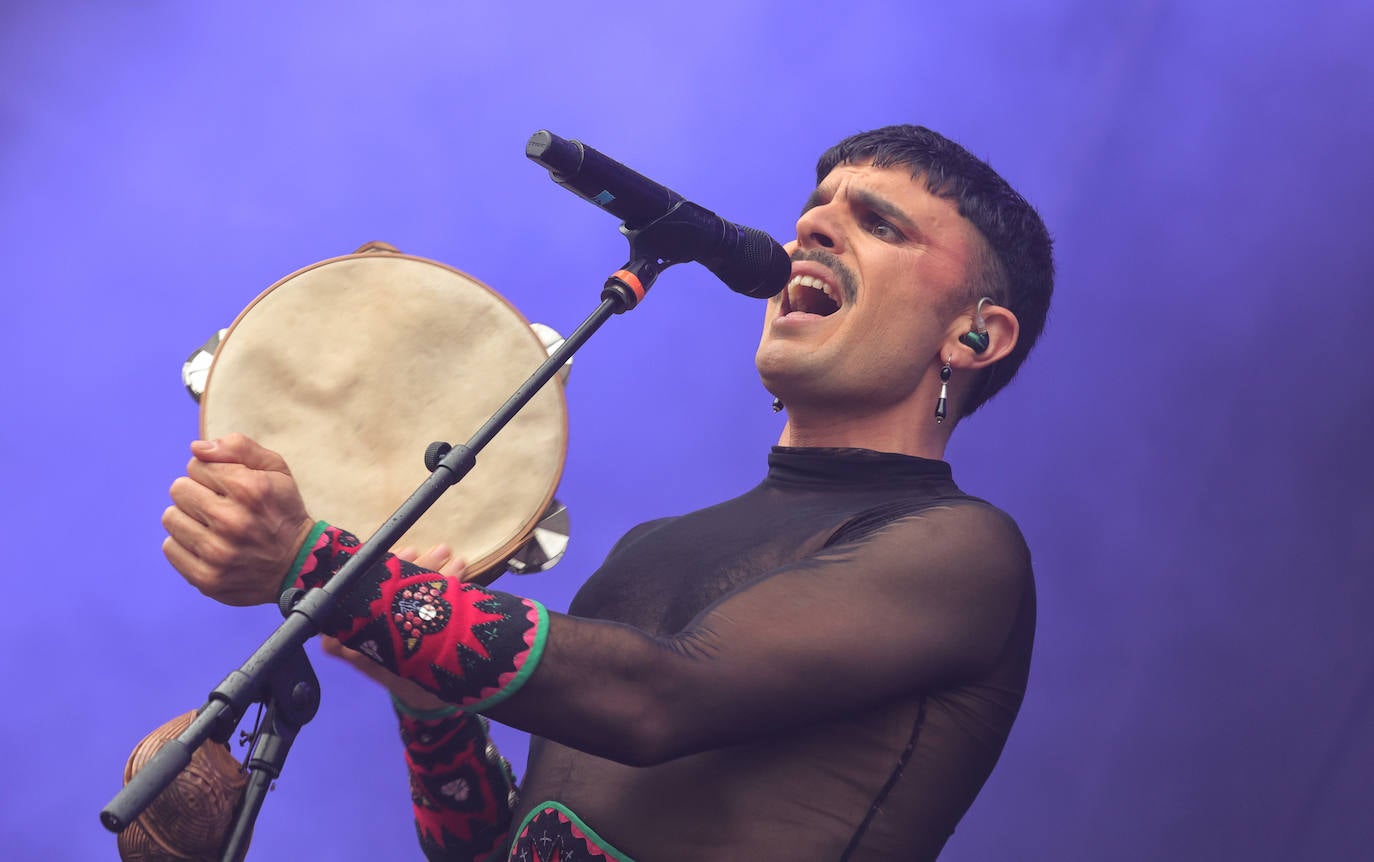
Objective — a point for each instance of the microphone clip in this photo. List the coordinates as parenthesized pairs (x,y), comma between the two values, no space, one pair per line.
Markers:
(628,285)
(664,242)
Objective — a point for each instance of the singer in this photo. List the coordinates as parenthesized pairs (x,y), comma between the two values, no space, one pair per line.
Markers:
(824,668)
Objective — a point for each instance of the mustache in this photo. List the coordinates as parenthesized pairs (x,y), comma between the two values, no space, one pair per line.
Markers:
(849,284)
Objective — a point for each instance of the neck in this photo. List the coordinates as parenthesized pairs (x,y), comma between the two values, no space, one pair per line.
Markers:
(884,432)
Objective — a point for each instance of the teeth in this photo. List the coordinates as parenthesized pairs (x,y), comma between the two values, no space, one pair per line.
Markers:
(812,282)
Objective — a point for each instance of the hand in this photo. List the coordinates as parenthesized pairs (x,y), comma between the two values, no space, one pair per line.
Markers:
(237,521)
(439,559)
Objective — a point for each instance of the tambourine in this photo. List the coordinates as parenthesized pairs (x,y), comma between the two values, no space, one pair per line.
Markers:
(350,368)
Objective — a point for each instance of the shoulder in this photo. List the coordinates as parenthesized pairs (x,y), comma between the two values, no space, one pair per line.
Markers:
(638,532)
(947,517)
(954,540)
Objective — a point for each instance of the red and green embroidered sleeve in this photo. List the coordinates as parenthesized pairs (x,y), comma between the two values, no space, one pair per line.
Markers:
(470,646)
(462,790)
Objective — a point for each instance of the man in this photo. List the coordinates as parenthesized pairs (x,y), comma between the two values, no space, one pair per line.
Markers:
(824,668)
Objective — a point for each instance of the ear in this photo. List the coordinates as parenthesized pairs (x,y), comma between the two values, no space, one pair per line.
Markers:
(1003,329)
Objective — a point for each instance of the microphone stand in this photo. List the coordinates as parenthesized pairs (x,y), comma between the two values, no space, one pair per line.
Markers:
(278,673)
(291,698)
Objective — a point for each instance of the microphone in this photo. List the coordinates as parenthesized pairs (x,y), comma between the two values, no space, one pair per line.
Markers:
(749,261)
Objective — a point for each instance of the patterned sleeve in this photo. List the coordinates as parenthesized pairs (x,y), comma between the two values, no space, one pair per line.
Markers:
(462,790)
(470,646)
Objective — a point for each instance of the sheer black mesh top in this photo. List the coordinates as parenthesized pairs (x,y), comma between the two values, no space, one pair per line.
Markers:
(825,667)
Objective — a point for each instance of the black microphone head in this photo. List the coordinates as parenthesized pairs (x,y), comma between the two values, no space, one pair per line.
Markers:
(751,262)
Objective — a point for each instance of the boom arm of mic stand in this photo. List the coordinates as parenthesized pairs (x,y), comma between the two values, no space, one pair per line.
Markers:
(227,703)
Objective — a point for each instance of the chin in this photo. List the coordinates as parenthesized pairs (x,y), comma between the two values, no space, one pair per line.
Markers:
(777,373)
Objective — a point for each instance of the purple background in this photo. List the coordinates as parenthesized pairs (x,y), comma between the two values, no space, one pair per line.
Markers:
(1187,452)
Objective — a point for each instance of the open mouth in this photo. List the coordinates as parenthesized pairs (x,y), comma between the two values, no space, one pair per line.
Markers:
(810,295)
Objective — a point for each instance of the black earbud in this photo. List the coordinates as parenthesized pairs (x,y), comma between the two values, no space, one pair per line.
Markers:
(976,341)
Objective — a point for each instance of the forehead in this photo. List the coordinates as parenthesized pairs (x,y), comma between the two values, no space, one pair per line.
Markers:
(894,183)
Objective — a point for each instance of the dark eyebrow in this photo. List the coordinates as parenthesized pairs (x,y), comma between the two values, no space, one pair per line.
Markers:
(883,207)
(871,201)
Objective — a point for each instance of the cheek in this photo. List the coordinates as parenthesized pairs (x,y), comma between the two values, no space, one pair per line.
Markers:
(892,351)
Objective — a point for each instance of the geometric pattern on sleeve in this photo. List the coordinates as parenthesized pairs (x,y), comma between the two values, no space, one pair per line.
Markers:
(461,788)
(553,833)
(470,646)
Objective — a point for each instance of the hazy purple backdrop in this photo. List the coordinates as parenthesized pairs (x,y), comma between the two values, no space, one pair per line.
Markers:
(1187,453)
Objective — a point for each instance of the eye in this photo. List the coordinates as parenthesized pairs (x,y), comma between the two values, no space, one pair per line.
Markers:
(883,229)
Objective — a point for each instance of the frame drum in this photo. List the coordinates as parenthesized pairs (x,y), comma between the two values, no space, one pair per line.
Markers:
(351,367)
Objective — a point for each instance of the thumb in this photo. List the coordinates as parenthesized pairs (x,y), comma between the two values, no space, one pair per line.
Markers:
(238,449)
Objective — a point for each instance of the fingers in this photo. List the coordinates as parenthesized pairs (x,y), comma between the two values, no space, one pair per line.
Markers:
(248,485)
(220,469)
(194,552)
(238,449)
(241,504)
(434,557)
(234,530)
(440,559)
(184,561)
(194,499)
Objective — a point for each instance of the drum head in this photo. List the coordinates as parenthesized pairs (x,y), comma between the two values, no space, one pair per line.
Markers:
(351,367)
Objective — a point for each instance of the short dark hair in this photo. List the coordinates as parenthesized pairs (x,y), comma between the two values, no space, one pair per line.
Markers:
(1020,275)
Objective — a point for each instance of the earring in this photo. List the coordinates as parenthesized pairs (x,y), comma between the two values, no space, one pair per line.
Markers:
(945,373)
(777,404)
(976,339)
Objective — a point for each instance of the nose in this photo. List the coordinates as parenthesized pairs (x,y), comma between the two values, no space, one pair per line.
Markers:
(818,228)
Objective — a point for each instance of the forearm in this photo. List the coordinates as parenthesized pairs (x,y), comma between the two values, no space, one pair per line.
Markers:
(471,647)
(478,647)
(462,790)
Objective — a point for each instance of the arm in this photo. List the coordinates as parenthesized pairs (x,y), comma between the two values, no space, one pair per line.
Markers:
(462,790)
(924,602)
(234,515)
(921,603)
